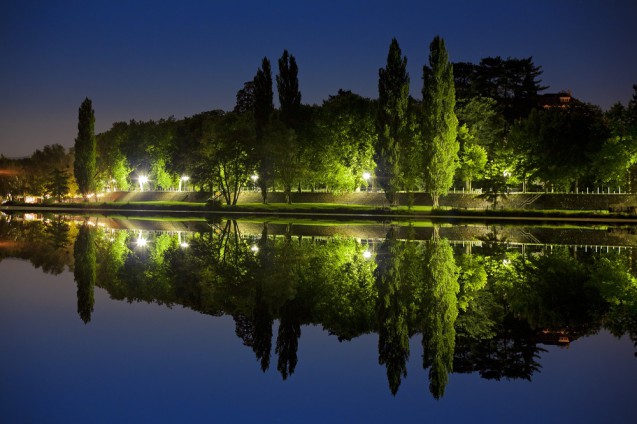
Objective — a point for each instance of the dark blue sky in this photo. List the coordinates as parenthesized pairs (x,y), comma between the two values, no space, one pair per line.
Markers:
(149,59)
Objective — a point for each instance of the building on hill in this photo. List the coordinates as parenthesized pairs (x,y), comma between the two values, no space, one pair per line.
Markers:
(562,99)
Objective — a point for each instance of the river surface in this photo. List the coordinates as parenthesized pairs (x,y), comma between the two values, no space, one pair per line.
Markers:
(142,320)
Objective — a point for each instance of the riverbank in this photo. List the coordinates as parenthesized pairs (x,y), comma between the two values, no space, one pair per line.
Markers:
(322,210)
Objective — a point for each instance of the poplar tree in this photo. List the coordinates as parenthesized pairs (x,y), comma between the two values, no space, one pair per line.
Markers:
(393,97)
(287,84)
(263,109)
(85,149)
(440,124)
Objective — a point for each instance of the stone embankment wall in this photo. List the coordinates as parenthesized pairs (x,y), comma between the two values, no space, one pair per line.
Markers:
(155,196)
(461,200)
(456,200)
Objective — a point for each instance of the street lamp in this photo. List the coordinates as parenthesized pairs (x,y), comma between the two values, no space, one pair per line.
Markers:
(142,180)
(183,178)
(254,179)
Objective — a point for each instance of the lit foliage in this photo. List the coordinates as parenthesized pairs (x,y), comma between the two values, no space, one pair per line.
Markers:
(440,147)
(441,310)
(85,149)
(393,98)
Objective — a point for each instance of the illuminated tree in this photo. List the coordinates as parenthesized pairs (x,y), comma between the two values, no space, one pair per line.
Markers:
(393,98)
(440,124)
(85,149)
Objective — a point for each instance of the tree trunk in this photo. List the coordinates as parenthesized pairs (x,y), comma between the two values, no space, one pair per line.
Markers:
(434,200)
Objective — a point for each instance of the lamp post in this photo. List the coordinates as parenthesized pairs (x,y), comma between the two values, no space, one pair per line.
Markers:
(142,180)
(184,178)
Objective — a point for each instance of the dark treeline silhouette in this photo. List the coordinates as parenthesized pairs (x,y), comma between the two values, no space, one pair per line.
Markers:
(477,309)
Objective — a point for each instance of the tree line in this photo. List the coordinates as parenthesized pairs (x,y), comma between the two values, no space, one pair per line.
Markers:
(476,126)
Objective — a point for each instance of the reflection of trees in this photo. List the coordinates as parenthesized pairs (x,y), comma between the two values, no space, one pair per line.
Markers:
(502,300)
(555,292)
(440,310)
(85,260)
(391,312)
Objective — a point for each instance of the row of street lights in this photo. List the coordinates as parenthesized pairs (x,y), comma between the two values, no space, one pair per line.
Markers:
(143,179)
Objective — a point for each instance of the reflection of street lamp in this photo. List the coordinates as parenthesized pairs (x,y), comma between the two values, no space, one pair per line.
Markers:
(141,241)
(254,179)
(366,177)
(142,180)
(182,244)
(183,178)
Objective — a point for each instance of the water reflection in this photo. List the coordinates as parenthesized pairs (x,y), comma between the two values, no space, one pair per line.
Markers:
(479,304)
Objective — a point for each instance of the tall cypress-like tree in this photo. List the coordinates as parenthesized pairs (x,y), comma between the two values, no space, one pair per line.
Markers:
(85,149)
(440,124)
(287,84)
(263,109)
(393,97)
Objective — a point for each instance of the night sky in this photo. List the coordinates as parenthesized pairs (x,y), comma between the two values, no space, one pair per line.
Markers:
(150,59)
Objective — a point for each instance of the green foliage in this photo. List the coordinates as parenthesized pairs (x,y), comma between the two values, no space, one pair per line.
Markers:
(440,147)
(230,155)
(348,135)
(85,149)
(392,313)
(441,310)
(473,157)
(557,144)
(391,122)
(58,185)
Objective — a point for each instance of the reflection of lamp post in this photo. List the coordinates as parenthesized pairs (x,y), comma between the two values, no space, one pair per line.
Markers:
(183,178)
(141,241)
(254,179)
(142,180)
(182,244)
(366,177)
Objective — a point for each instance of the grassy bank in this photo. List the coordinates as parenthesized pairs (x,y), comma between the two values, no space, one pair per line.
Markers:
(316,209)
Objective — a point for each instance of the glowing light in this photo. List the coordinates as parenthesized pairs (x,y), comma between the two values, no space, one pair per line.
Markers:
(367,254)
(142,180)
(141,241)
(254,178)
(183,178)
(366,176)
(254,248)
(506,262)
(184,245)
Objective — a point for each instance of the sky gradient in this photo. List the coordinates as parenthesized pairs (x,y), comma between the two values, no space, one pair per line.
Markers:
(150,60)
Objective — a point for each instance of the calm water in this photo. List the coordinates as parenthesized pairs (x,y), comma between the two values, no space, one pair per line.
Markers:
(106,320)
